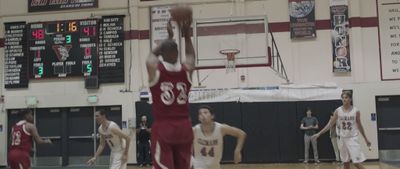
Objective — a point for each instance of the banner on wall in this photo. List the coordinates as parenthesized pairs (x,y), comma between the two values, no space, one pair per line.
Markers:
(54,5)
(302,18)
(389,37)
(340,35)
(160,16)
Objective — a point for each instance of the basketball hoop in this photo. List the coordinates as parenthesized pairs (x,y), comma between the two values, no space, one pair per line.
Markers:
(230,65)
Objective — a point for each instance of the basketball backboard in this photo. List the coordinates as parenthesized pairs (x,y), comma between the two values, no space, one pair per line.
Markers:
(247,36)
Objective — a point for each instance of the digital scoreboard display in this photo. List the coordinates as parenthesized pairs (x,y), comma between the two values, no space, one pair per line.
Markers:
(63,48)
(59,49)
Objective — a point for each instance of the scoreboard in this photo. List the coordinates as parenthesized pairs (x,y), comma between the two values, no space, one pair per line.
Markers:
(63,48)
(60,49)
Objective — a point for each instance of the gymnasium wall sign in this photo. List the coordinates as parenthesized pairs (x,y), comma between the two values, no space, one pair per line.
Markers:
(56,5)
(15,57)
(302,18)
(339,11)
(111,49)
(389,38)
(159,17)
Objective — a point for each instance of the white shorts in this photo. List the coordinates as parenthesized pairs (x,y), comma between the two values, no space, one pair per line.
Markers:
(350,149)
(116,162)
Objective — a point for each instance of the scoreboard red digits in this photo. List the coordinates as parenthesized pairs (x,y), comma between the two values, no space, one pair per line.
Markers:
(88,51)
(38,34)
(38,54)
(89,31)
(86,30)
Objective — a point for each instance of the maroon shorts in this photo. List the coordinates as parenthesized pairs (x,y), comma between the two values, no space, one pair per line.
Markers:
(18,159)
(171,144)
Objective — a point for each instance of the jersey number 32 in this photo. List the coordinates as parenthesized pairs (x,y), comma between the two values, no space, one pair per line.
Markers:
(167,95)
(16,138)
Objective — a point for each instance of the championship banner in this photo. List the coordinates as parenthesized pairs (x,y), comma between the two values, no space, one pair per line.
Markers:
(340,36)
(160,16)
(56,5)
(302,18)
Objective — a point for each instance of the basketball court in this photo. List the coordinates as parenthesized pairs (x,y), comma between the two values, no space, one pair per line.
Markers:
(260,65)
(368,165)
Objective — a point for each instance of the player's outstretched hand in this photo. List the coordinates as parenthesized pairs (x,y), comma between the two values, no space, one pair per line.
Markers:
(237,157)
(48,141)
(91,161)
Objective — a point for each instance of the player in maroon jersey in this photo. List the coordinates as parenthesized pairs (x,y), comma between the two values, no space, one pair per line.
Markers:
(170,82)
(22,134)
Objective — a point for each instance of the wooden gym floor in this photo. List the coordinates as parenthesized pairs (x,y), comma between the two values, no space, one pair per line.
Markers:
(367,165)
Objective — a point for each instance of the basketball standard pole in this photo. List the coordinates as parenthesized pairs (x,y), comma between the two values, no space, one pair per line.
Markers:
(198,78)
(180,43)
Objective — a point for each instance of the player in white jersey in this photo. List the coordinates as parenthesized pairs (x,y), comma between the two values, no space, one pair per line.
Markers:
(348,126)
(117,141)
(208,140)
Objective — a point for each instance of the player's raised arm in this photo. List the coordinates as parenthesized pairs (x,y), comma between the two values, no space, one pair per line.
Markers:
(152,63)
(240,136)
(189,49)
(152,60)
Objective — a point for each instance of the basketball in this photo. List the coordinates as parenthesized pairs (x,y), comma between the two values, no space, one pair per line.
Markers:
(181,13)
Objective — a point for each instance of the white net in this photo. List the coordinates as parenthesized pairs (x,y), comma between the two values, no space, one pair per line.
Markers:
(230,64)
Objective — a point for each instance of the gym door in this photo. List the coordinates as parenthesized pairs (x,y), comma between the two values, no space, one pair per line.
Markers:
(81,135)
(388,114)
(49,124)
